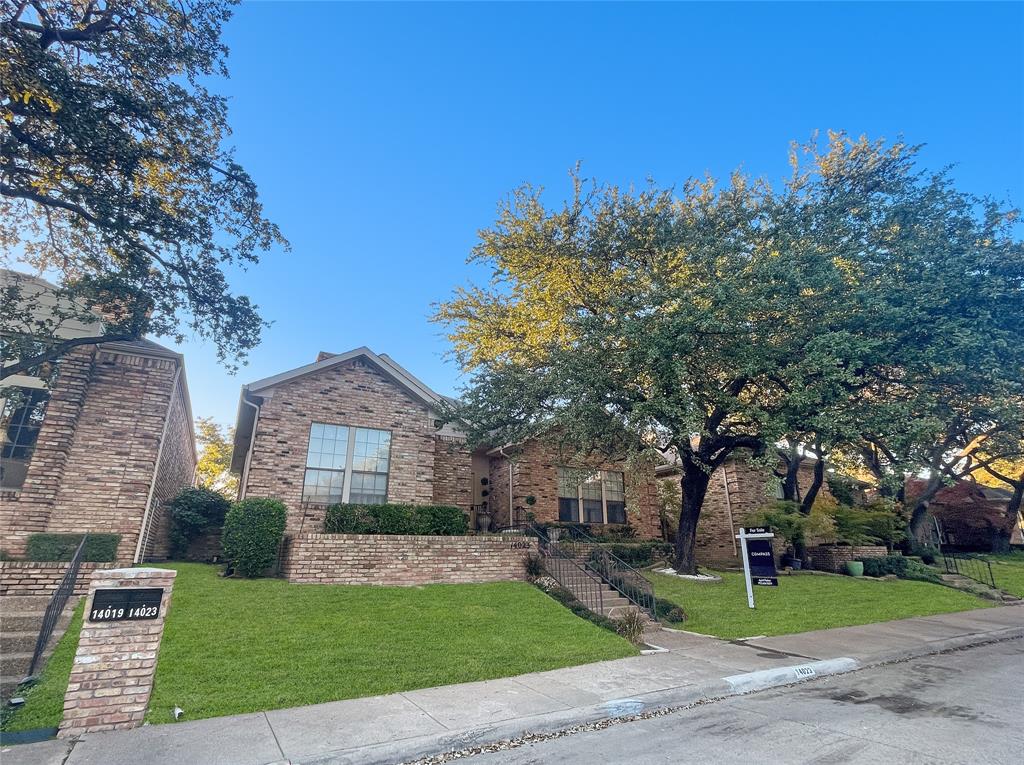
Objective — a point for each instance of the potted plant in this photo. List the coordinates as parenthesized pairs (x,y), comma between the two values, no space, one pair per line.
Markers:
(483,518)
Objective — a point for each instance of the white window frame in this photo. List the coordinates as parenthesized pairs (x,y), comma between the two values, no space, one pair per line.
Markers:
(347,471)
(586,477)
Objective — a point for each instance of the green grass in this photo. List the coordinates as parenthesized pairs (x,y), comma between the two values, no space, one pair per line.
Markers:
(1008,571)
(236,645)
(44,701)
(804,602)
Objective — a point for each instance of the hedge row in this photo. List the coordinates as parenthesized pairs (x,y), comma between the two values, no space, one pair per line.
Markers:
(99,548)
(440,520)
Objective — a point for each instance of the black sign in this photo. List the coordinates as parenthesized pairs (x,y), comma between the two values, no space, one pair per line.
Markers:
(756,530)
(760,558)
(766,581)
(126,604)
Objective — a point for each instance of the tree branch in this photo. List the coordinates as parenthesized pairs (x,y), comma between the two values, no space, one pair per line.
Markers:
(55,352)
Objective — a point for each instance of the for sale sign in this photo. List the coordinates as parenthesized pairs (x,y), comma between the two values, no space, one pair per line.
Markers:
(761,562)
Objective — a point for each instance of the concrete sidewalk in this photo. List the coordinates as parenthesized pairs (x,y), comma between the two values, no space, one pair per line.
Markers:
(407,725)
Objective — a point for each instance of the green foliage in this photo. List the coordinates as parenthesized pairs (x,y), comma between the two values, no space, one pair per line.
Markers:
(439,520)
(192,512)
(99,548)
(796,528)
(631,626)
(534,566)
(117,175)
(667,611)
(841,487)
(639,554)
(253,529)
(215,446)
(897,565)
(575,605)
(879,523)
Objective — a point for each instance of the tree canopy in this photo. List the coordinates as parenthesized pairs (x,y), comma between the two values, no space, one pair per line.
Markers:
(213,471)
(115,173)
(711,319)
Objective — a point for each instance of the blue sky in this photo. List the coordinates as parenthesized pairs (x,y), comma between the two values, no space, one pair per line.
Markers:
(382,136)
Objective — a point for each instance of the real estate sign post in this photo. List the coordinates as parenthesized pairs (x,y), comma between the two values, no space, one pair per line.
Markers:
(758,562)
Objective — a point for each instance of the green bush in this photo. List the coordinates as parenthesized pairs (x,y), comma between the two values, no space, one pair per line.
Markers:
(571,602)
(874,524)
(253,529)
(667,611)
(639,554)
(99,548)
(897,565)
(193,511)
(439,520)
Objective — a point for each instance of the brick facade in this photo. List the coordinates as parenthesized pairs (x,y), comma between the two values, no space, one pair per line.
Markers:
(725,511)
(355,394)
(535,473)
(95,459)
(453,473)
(41,578)
(405,560)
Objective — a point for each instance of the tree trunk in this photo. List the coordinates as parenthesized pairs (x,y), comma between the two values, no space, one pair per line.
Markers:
(919,515)
(695,482)
(792,459)
(814,488)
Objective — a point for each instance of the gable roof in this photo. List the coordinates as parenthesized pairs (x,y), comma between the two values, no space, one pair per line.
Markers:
(246,418)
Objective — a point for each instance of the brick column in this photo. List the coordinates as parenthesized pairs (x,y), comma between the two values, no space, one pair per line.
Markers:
(112,676)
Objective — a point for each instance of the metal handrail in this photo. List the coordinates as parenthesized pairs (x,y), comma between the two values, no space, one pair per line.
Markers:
(566,569)
(629,582)
(55,607)
(970,566)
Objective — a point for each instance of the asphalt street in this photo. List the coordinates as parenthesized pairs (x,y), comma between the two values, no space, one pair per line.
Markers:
(960,707)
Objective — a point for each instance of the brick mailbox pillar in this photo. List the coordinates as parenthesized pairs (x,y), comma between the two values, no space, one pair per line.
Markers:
(112,676)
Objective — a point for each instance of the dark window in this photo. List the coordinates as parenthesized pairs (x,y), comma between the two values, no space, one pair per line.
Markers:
(23,412)
(568,510)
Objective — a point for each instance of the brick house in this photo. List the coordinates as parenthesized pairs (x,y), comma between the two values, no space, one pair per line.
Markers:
(357,427)
(99,446)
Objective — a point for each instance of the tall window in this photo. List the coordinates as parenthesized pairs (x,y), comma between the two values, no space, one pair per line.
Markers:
(591,497)
(346,465)
(21,419)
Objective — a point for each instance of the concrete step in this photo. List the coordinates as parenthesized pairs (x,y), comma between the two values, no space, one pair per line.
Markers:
(8,683)
(22,603)
(15,663)
(18,642)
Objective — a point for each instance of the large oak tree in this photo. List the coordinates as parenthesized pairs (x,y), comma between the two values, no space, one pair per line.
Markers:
(115,175)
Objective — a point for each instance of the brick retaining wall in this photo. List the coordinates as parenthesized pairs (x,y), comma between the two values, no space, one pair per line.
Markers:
(404,560)
(19,577)
(834,559)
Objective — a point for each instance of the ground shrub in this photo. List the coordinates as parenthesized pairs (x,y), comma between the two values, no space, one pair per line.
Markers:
(192,512)
(639,554)
(575,605)
(631,626)
(440,520)
(99,548)
(897,565)
(253,529)
(534,566)
(667,611)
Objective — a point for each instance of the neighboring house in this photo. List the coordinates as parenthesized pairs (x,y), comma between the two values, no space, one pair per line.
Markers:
(356,427)
(737,490)
(970,516)
(99,446)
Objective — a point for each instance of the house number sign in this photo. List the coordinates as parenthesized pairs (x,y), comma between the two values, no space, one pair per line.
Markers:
(126,604)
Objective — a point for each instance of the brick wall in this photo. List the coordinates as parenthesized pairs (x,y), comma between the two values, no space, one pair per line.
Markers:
(41,578)
(355,394)
(535,473)
(404,560)
(453,473)
(834,559)
(96,454)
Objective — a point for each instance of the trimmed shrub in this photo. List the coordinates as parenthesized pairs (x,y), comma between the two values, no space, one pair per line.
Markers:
(571,602)
(253,529)
(193,511)
(897,565)
(439,520)
(99,548)
(667,611)
(640,553)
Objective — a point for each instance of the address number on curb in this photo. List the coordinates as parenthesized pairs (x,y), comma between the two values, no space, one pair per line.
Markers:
(519,545)
(126,604)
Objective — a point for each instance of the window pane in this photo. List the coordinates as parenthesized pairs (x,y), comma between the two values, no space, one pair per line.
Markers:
(368,488)
(592,488)
(568,484)
(328,446)
(371,450)
(21,419)
(613,486)
(592,511)
(568,510)
(616,512)
(323,486)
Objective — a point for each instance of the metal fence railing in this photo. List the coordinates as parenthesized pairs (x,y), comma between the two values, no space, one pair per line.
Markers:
(570,572)
(970,566)
(55,607)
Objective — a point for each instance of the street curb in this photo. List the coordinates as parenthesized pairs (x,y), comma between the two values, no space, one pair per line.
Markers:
(417,747)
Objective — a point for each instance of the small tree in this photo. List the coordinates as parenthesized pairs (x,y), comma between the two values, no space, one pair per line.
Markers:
(214,468)
(253,530)
(192,512)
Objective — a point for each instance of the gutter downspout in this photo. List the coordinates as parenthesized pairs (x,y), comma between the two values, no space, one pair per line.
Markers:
(728,507)
(243,484)
(146,514)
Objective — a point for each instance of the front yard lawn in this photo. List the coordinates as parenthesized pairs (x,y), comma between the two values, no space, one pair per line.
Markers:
(238,645)
(804,602)
(1008,571)
(245,645)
